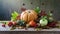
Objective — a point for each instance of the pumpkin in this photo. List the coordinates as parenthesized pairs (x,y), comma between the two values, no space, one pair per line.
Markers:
(28,15)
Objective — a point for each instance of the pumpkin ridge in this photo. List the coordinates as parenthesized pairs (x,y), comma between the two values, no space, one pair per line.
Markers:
(27,17)
(34,12)
(23,15)
(33,16)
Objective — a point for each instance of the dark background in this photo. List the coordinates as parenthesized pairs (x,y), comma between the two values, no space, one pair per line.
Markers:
(8,6)
(57,9)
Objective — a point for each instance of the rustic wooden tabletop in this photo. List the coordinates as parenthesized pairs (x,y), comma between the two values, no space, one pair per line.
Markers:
(29,31)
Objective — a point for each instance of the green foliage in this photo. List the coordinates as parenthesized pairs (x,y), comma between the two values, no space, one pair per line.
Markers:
(49,13)
(43,17)
(37,9)
(14,15)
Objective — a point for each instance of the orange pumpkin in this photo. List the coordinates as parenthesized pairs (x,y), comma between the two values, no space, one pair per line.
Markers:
(28,15)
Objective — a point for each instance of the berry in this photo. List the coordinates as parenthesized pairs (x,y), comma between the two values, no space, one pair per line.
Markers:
(3,25)
(52,24)
(42,13)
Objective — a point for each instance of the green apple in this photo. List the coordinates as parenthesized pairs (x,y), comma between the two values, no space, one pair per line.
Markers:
(43,22)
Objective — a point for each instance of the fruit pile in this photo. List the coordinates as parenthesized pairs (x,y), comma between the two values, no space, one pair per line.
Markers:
(31,18)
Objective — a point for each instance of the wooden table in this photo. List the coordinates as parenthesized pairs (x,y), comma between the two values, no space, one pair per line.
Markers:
(30,31)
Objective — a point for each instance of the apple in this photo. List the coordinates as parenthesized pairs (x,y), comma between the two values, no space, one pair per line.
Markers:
(32,23)
(10,24)
(3,25)
(43,22)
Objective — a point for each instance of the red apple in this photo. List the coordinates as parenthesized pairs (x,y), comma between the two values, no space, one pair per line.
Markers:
(32,23)
(10,24)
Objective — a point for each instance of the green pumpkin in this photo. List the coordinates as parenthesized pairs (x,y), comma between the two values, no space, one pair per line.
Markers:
(43,22)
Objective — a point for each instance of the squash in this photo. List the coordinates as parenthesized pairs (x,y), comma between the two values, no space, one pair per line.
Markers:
(28,15)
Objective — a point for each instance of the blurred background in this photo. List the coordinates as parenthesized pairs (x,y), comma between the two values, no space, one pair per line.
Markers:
(8,6)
